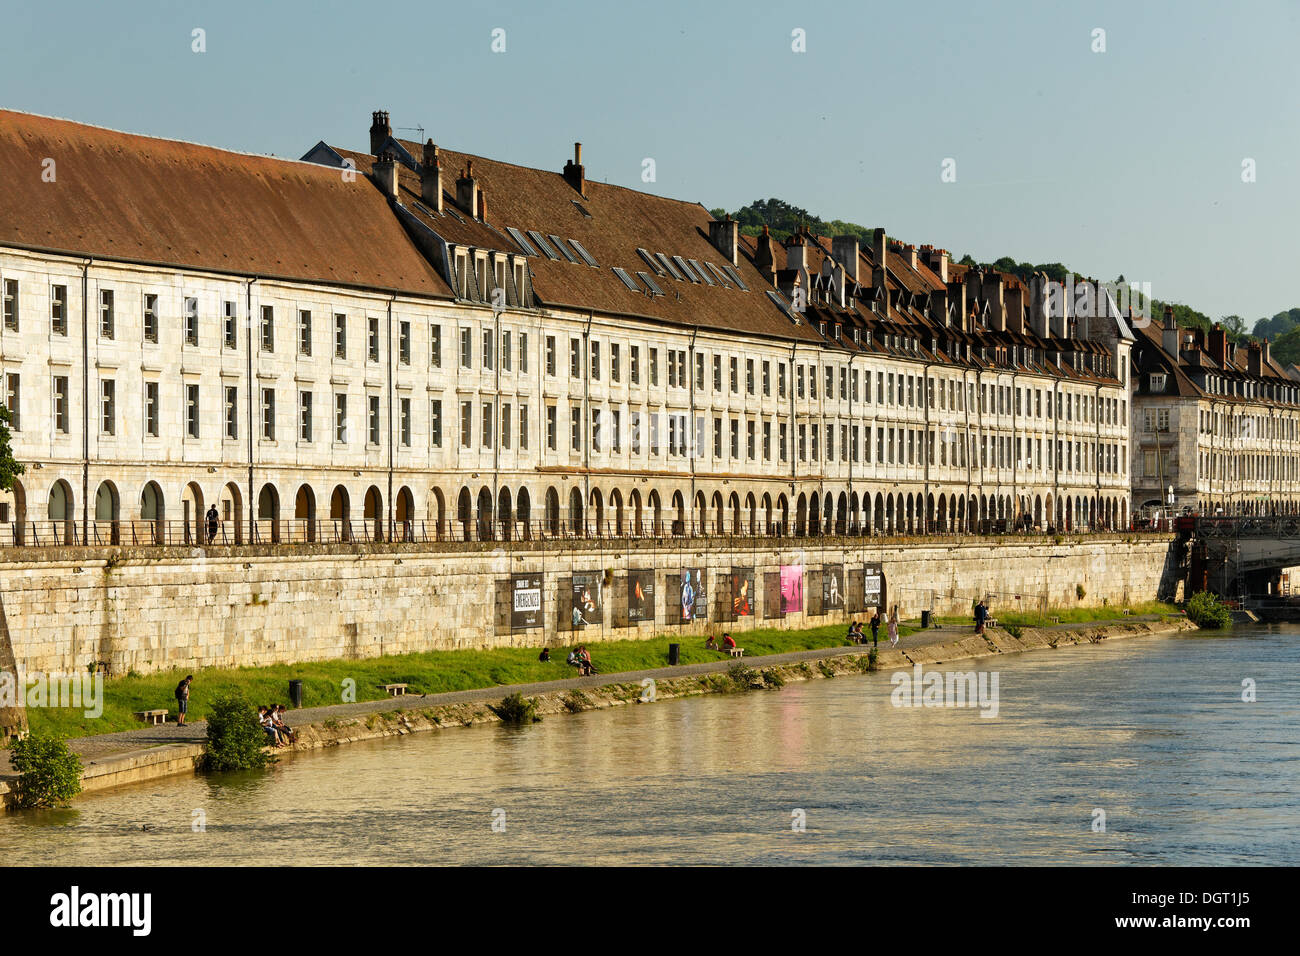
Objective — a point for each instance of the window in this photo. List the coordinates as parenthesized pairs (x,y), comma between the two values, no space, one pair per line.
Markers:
(13,400)
(575,358)
(767,379)
(11,304)
(780,380)
(654,433)
(550,427)
(268,328)
(231,326)
(749,376)
(594,348)
(191,320)
(232,412)
(654,367)
(466,348)
(1157,382)
(341,418)
(523,356)
(634,372)
(615,362)
(735,379)
(192,411)
(372,339)
(505,351)
(435,346)
(550,355)
(435,422)
(268,414)
(60,410)
(108,406)
(59,309)
(304,332)
(340,335)
(575,428)
(487,424)
(749,440)
(150,318)
(372,419)
(304,416)
(735,438)
(106,324)
(150,406)
(489,351)
(405,426)
(595,430)
(404,343)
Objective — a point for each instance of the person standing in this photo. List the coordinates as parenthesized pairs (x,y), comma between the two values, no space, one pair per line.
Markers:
(214,523)
(893,627)
(183,699)
(981,614)
(875,628)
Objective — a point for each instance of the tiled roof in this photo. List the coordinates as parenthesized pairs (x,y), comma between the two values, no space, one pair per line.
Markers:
(161,202)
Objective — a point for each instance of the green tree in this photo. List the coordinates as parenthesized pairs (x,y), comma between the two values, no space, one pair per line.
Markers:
(1207,611)
(49,774)
(10,468)
(236,740)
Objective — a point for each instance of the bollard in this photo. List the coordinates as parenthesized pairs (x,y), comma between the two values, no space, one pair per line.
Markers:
(295,693)
(674,653)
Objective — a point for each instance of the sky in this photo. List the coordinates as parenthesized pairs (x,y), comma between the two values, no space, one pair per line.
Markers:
(1165,149)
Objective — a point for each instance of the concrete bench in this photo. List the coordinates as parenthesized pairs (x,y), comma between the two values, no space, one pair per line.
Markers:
(1055,620)
(395,690)
(1126,612)
(736,651)
(990,622)
(154,717)
(103,667)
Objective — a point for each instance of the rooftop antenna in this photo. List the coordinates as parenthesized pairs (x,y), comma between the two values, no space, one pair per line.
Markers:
(418,129)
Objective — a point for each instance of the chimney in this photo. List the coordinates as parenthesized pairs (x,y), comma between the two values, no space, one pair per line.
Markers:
(796,252)
(1169,333)
(765,256)
(467,190)
(844,250)
(878,247)
(1253,363)
(725,236)
(1015,307)
(957,296)
(1264,355)
(574,173)
(386,174)
(881,269)
(431,178)
(380,130)
(938,263)
(1038,305)
(1218,343)
(939,306)
(909,251)
(482,205)
(993,294)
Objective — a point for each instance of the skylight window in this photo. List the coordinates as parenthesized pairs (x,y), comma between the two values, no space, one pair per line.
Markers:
(690,273)
(581,208)
(563,246)
(543,245)
(627,279)
(586,256)
(735,277)
(779,301)
(652,262)
(668,265)
(695,264)
(650,283)
(722,278)
(521,240)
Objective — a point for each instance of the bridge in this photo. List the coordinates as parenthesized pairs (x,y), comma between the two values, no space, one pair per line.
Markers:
(1239,557)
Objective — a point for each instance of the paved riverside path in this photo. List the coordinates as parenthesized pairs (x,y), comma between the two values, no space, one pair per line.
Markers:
(125,741)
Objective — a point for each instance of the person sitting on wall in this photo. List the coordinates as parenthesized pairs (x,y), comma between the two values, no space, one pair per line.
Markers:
(573,660)
(264,718)
(284,729)
(584,658)
(711,644)
(727,643)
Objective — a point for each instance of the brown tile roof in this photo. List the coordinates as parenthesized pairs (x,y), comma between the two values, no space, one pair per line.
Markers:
(161,202)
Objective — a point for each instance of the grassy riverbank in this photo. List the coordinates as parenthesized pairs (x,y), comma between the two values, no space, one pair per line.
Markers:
(1014,620)
(431,672)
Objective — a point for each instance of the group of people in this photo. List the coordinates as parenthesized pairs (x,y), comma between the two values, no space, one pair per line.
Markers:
(579,657)
(724,643)
(858,636)
(277,731)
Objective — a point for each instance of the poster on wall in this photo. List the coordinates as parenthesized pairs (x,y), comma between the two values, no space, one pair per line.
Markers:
(525,601)
(791,588)
(742,592)
(833,588)
(640,596)
(873,585)
(588,601)
(694,604)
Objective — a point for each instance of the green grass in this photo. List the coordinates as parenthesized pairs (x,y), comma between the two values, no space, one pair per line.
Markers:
(432,672)
(1007,617)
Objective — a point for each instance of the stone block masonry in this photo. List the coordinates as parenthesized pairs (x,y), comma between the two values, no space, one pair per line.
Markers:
(158,609)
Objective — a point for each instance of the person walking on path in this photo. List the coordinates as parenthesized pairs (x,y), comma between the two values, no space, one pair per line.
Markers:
(875,628)
(214,523)
(893,627)
(981,614)
(183,699)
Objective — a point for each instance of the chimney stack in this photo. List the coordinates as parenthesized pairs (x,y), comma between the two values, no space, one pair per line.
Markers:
(957,296)
(1169,333)
(725,236)
(765,255)
(386,174)
(1254,365)
(574,172)
(844,250)
(1218,343)
(1015,307)
(796,252)
(380,130)
(1038,305)
(937,262)
(431,178)
(1264,354)
(993,294)
(467,190)
(878,248)
(909,251)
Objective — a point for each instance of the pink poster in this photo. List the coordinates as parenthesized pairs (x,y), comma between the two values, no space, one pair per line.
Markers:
(791,588)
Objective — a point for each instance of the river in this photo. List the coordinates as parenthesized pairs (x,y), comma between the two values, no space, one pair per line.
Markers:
(1152,731)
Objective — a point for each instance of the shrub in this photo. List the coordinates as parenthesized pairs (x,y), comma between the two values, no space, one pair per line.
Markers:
(772,678)
(872,662)
(575,702)
(1079,592)
(236,740)
(516,709)
(49,774)
(742,677)
(1207,611)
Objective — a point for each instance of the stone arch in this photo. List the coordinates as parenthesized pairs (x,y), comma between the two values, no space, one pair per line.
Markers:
(616,505)
(153,514)
(679,511)
(373,513)
(842,515)
(437,513)
(783,510)
(719,513)
(62,513)
(341,514)
(304,514)
(404,515)
(505,513)
(737,518)
(634,503)
(17,516)
(232,512)
(941,517)
(891,526)
(465,513)
(577,522)
(768,525)
(268,514)
(801,515)
(598,512)
(192,514)
(108,514)
(751,506)
(878,515)
(483,515)
(656,514)
(961,514)
(524,513)
(552,510)
(814,514)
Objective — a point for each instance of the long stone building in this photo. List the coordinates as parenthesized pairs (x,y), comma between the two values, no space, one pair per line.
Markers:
(1216,425)
(411,342)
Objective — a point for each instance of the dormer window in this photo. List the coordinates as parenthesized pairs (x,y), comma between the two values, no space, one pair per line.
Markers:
(1157,382)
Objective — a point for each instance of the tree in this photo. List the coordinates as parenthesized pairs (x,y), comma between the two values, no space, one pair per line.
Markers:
(10,468)
(49,774)
(236,740)
(1235,326)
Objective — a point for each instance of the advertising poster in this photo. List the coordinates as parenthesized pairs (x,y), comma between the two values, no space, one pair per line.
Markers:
(742,592)
(640,596)
(525,601)
(791,588)
(694,604)
(873,585)
(833,588)
(588,603)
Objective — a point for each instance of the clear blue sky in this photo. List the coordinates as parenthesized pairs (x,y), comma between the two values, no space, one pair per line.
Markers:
(1124,161)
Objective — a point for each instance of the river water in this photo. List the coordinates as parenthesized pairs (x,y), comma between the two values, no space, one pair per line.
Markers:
(1152,731)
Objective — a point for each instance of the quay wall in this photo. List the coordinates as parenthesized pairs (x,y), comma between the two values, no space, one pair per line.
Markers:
(151,609)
